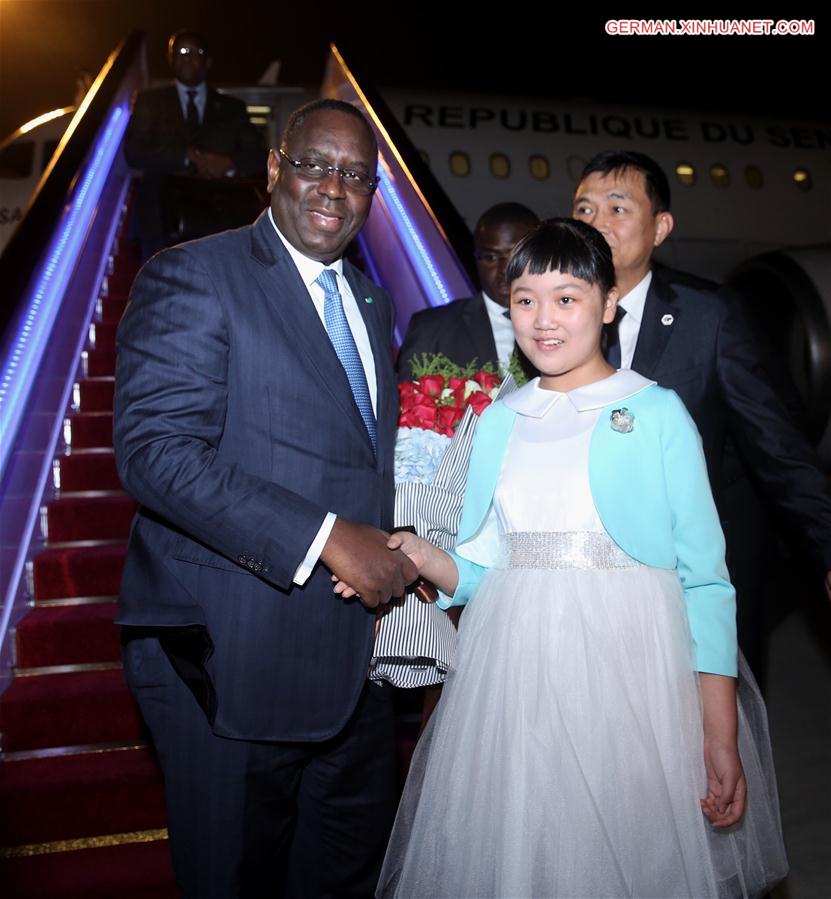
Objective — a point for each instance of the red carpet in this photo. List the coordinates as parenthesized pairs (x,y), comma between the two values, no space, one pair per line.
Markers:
(100,363)
(90,515)
(69,690)
(82,795)
(96,394)
(79,570)
(131,871)
(68,635)
(92,469)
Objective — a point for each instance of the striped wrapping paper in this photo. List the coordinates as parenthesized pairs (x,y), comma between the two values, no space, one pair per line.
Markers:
(415,641)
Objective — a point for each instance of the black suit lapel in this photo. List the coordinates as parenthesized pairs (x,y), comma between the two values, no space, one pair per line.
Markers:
(280,281)
(660,315)
(176,116)
(212,106)
(477,326)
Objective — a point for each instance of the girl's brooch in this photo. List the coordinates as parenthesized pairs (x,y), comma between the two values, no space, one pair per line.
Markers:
(622,420)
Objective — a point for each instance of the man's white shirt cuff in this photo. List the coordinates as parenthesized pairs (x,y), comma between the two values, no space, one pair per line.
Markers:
(304,569)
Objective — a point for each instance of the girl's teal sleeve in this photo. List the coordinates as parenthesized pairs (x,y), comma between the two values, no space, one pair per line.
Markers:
(699,543)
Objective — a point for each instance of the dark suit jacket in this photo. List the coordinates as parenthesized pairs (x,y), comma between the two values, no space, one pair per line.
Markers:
(157,136)
(461,330)
(157,140)
(710,356)
(236,430)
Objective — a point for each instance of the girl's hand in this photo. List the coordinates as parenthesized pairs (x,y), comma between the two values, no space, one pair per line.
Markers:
(726,786)
(416,549)
(410,544)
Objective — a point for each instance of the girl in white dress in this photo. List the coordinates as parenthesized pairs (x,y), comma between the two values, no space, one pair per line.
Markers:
(588,742)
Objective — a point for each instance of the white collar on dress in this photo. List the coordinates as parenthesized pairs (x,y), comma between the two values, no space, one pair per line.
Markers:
(534,401)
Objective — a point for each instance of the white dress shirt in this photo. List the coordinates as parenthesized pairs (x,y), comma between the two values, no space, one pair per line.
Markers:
(630,325)
(503,331)
(200,98)
(309,270)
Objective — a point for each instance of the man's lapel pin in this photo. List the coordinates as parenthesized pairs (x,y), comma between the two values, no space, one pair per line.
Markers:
(367,299)
(667,319)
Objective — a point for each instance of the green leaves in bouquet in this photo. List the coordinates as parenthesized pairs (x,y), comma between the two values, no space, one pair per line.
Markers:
(425,364)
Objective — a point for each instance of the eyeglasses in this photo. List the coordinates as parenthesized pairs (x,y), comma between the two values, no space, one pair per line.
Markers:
(310,169)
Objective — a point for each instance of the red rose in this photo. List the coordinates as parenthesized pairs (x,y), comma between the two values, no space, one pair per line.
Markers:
(486,381)
(479,400)
(406,388)
(425,417)
(458,396)
(406,394)
(431,385)
(447,419)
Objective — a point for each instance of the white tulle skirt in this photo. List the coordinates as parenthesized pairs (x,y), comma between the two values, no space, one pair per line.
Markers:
(565,757)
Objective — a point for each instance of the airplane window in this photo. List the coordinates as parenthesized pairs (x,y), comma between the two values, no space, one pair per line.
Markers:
(575,166)
(540,167)
(500,165)
(720,175)
(754,177)
(685,174)
(460,163)
(425,156)
(17,159)
(802,179)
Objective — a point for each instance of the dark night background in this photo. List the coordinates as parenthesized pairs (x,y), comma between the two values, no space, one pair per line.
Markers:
(535,50)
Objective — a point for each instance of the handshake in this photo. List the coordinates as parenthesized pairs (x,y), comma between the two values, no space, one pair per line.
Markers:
(375,566)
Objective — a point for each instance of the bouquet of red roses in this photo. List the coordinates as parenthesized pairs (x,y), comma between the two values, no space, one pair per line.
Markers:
(432,405)
(437,402)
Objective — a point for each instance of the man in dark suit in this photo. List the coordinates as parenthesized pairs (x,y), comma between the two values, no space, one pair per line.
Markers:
(186,128)
(255,418)
(474,327)
(691,335)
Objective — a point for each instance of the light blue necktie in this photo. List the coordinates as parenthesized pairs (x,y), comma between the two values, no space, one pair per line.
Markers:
(344,343)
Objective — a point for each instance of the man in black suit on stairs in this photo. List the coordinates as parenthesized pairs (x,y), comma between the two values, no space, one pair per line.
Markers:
(474,327)
(187,128)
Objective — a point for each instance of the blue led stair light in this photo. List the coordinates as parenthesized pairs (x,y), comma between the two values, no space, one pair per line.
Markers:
(20,368)
(426,271)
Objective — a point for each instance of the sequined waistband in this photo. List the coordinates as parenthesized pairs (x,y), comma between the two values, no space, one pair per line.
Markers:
(565,549)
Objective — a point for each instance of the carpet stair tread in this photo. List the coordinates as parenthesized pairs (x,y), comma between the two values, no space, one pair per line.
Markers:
(90,515)
(74,709)
(104,332)
(112,307)
(68,635)
(79,570)
(131,871)
(65,797)
(91,429)
(91,469)
(96,394)
(100,363)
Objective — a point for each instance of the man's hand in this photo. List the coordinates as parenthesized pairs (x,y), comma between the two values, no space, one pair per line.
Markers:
(209,165)
(358,555)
